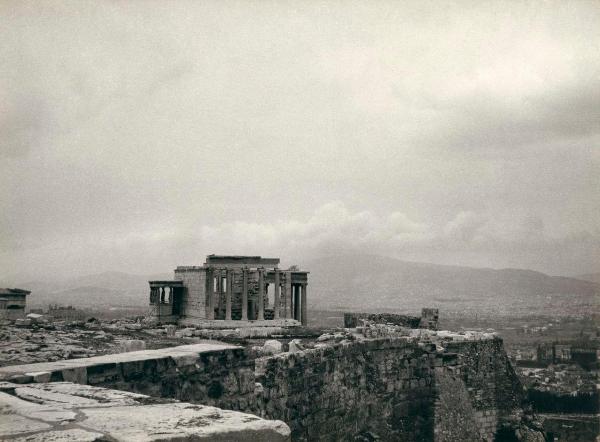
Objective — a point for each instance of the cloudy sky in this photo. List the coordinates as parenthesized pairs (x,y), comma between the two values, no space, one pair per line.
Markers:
(142,135)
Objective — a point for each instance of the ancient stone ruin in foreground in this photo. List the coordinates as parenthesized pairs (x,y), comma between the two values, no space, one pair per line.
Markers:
(382,377)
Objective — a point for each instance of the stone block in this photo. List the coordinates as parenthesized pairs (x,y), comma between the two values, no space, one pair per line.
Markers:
(76,375)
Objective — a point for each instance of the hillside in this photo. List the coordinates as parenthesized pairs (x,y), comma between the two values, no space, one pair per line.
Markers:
(367,282)
(97,290)
(593,277)
(375,282)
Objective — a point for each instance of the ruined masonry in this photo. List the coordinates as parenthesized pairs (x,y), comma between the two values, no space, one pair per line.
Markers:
(232,291)
(425,386)
(54,402)
(12,303)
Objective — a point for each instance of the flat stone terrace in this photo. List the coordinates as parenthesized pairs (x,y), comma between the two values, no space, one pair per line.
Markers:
(76,369)
(63,411)
(234,324)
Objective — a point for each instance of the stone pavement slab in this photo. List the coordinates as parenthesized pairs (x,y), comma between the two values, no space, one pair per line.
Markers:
(66,411)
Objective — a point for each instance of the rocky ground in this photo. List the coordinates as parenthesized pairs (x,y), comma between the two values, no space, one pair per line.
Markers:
(39,338)
(29,342)
(62,411)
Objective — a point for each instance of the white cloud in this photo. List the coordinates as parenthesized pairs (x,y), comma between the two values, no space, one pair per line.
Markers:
(145,137)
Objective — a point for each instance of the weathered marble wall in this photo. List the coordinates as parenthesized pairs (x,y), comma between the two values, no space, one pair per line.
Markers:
(194,293)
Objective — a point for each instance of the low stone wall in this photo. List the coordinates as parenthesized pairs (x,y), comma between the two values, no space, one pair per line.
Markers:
(571,427)
(211,374)
(428,319)
(352,320)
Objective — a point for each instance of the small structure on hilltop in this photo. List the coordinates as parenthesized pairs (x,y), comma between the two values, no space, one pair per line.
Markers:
(65,312)
(240,289)
(429,319)
(12,303)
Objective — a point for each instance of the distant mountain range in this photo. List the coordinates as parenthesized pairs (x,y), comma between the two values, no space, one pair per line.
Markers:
(376,283)
(593,277)
(368,282)
(107,289)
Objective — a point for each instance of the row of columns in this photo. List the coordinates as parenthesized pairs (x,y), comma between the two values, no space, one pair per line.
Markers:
(297,295)
(159,296)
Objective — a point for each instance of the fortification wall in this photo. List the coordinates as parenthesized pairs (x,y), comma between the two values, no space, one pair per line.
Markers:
(397,389)
(495,392)
(385,387)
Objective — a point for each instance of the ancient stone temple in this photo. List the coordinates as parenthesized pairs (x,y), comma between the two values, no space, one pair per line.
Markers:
(242,289)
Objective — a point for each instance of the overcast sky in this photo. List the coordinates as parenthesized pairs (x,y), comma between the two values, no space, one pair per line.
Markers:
(140,135)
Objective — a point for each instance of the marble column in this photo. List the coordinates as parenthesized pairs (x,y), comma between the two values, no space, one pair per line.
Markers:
(210,294)
(261,295)
(244,294)
(217,294)
(276,302)
(289,297)
(229,295)
(296,302)
(304,305)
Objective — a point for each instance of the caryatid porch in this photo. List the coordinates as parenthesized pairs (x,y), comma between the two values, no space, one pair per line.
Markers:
(165,299)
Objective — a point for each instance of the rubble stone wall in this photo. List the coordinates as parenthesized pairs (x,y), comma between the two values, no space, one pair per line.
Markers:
(352,320)
(385,387)
(395,389)
(495,394)
(429,319)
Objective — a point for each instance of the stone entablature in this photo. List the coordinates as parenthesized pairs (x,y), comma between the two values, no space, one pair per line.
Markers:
(232,288)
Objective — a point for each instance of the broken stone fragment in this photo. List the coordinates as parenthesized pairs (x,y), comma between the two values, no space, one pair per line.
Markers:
(272,347)
(170,330)
(132,345)
(23,322)
(296,346)
(325,337)
(135,326)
